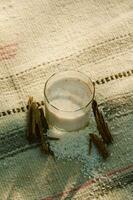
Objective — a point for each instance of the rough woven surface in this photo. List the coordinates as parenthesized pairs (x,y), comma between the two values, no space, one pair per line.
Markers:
(38,38)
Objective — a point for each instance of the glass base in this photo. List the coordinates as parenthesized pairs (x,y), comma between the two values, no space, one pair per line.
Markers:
(57,129)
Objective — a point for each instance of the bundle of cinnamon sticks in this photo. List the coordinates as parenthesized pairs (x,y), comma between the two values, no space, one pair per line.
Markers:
(38,126)
(102,126)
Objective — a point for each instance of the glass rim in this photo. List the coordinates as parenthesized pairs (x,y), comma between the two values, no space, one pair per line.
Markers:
(83,107)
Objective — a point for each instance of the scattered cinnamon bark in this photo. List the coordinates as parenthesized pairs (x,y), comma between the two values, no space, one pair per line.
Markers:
(102,126)
(101,147)
(38,126)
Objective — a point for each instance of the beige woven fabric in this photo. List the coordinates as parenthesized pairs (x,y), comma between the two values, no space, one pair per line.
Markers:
(37,38)
(88,35)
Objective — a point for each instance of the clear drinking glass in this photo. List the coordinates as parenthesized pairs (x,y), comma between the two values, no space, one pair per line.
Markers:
(68,97)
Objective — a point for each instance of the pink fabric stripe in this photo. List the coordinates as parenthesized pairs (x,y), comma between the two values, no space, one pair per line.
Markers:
(89,183)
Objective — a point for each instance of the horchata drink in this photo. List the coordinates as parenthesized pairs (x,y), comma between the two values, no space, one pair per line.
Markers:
(68,97)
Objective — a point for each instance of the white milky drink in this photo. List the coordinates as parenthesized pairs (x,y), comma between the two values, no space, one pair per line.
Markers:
(68,97)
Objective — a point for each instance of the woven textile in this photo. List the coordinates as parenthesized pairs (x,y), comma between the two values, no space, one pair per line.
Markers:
(38,38)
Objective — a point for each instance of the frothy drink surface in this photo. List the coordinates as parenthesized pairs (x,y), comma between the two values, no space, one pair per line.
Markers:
(69,94)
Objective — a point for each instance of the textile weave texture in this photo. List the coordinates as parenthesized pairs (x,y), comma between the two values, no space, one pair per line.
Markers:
(38,38)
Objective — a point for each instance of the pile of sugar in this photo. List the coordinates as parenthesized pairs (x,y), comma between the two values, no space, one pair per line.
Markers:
(75,146)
